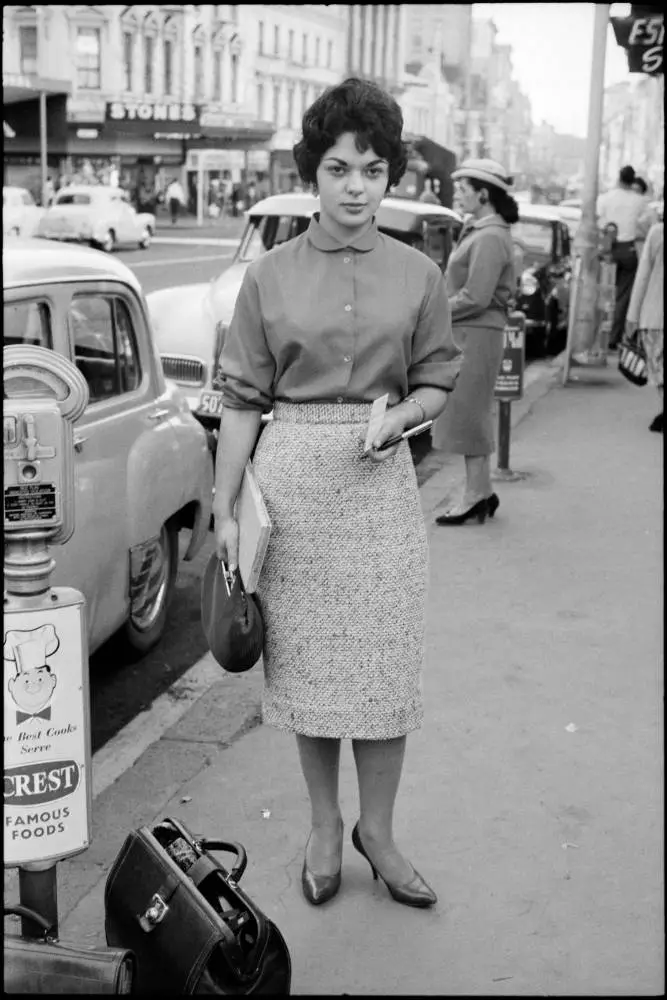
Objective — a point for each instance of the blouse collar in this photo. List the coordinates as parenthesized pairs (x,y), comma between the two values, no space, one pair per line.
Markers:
(323,240)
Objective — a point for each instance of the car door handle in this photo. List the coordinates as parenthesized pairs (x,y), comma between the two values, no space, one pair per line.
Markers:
(79,442)
(158,415)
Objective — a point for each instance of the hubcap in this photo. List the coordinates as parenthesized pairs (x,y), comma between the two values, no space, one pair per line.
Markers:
(149,587)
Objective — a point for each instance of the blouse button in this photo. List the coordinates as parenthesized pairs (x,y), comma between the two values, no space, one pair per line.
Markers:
(346,260)
(347,358)
(348,309)
(339,399)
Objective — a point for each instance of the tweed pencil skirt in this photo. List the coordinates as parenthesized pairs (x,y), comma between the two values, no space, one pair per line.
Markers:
(343,585)
(466,425)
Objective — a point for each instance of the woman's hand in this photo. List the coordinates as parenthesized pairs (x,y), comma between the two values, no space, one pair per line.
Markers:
(394,423)
(227,540)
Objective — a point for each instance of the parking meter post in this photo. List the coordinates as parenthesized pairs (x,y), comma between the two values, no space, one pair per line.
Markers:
(38,890)
(47,779)
(504,432)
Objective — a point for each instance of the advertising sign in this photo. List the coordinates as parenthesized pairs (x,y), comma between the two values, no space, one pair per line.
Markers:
(47,779)
(643,39)
(509,383)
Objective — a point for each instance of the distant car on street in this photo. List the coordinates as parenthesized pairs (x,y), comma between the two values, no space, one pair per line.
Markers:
(190,321)
(20,213)
(543,291)
(143,468)
(98,215)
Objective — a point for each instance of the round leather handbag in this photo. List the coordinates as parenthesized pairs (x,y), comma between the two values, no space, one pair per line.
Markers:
(231,618)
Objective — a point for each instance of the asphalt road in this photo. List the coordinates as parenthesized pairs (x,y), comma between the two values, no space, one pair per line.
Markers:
(166,265)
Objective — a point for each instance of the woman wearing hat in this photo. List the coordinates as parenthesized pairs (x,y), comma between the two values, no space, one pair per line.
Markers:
(324,325)
(480,281)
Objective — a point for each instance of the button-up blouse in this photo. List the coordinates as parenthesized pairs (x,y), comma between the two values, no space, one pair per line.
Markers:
(319,320)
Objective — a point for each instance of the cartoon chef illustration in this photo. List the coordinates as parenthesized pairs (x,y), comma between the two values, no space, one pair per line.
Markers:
(33,686)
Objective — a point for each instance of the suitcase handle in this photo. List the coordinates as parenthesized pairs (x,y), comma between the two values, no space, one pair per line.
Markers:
(18,910)
(230,846)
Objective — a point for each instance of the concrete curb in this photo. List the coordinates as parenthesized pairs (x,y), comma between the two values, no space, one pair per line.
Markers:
(202,241)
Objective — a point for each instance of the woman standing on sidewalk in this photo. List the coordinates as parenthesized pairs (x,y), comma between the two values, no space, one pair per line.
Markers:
(646,310)
(324,325)
(480,282)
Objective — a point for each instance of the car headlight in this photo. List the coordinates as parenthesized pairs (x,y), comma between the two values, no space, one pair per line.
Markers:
(529,283)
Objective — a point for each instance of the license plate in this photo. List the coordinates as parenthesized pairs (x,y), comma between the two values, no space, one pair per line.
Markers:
(210,403)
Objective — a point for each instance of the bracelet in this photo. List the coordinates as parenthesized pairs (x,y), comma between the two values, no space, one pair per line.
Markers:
(413,399)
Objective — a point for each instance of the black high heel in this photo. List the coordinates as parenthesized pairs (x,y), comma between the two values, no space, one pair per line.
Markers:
(492,503)
(416,892)
(478,510)
(318,889)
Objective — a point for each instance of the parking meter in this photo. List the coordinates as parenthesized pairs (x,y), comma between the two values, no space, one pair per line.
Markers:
(47,758)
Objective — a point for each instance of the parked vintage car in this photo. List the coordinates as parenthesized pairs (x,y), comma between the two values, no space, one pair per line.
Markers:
(543,291)
(143,469)
(190,321)
(20,213)
(97,215)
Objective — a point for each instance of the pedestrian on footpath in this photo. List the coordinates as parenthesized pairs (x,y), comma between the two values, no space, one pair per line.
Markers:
(343,585)
(481,283)
(622,206)
(646,311)
(175,199)
(647,216)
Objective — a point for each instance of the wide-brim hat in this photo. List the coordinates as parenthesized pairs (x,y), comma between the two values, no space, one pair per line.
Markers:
(485,170)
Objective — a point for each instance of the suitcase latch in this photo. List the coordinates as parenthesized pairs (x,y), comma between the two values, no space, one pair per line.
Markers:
(155,913)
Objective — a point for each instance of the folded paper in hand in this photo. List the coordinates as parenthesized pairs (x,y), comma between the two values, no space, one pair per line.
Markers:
(254,529)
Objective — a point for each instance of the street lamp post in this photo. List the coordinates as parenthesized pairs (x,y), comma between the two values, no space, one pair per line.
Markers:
(43,155)
(581,327)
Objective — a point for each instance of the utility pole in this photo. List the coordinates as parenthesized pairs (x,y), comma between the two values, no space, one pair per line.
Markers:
(43,156)
(467,86)
(582,322)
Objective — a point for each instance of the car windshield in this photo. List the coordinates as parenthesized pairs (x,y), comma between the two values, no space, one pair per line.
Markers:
(73,199)
(267,231)
(534,235)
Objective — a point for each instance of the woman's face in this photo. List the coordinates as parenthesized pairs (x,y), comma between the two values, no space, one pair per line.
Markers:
(351,186)
(467,197)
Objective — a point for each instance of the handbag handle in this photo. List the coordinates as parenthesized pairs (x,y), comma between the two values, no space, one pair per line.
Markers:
(232,847)
(18,910)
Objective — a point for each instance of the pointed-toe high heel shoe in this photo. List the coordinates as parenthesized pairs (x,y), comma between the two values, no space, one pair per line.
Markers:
(416,892)
(492,504)
(478,510)
(318,889)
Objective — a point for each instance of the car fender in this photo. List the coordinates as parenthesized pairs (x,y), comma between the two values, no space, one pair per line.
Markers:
(168,468)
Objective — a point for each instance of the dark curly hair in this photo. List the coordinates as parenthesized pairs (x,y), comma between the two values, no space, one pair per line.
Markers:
(358,106)
(501,202)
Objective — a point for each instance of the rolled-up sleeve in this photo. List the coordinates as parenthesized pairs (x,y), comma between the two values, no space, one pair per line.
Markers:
(436,358)
(488,257)
(246,366)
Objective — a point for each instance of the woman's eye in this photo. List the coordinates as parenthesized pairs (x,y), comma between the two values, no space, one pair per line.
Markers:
(336,171)
(375,172)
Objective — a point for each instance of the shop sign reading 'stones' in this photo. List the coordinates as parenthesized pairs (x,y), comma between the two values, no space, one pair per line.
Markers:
(148,112)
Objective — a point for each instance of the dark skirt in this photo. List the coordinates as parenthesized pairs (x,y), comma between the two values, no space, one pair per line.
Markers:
(466,427)
(343,586)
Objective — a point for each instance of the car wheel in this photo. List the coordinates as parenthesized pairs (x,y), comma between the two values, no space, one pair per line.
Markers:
(145,626)
(145,240)
(109,242)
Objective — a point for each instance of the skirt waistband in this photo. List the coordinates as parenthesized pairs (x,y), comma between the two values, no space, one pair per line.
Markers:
(322,413)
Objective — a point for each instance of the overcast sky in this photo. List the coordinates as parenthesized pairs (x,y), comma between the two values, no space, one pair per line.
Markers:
(552,46)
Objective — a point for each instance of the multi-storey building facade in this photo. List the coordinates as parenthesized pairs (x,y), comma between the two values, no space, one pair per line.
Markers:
(295,51)
(376,44)
(633,131)
(146,86)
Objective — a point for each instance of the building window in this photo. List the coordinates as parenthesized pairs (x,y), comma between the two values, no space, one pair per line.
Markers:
(304,49)
(28,49)
(276,39)
(88,69)
(290,46)
(329,54)
(149,49)
(168,59)
(290,106)
(317,52)
(199,73)
(260,101)
(217,76)
(276,104)
(128,54)
(261,38)
(235,78)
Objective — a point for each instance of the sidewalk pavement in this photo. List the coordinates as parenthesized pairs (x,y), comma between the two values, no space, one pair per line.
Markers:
(532,796)
(224,226)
